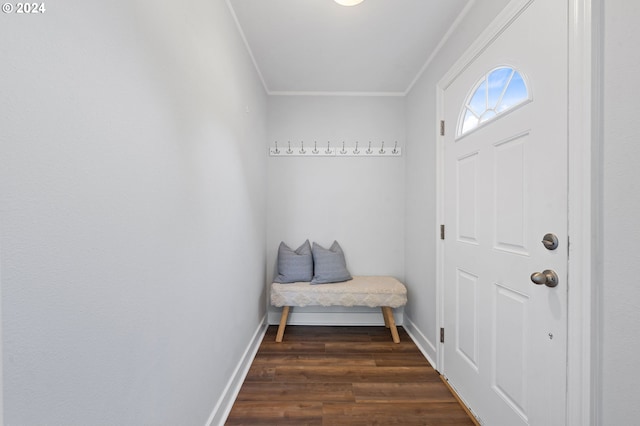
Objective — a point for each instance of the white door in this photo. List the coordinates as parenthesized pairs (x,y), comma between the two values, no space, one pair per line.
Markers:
(505,187)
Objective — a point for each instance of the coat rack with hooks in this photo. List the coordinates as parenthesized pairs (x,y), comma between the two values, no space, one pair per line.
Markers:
(329,149)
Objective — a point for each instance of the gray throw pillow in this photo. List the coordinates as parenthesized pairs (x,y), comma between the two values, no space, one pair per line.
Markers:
(294,265)
(329,265)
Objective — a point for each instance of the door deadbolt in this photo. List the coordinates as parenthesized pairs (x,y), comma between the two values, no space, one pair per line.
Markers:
(546,277)
(550,241)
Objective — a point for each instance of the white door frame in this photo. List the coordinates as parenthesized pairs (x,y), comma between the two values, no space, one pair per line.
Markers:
(1,350)
(585,187)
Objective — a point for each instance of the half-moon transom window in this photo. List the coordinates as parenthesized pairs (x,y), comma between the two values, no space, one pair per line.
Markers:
(496,93)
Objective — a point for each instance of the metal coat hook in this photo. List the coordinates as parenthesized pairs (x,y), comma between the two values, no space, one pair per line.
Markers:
(345,150)
(369,151)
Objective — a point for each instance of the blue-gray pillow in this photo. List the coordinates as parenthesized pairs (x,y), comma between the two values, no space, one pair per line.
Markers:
(329,266)
(294,265)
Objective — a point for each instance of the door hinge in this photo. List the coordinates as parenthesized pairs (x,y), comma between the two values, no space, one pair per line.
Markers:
(442,232)
(442,335)
(441,127)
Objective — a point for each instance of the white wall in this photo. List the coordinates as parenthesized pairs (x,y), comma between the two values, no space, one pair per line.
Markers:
(357,201)
(421,230)
(131,211)
(621,209)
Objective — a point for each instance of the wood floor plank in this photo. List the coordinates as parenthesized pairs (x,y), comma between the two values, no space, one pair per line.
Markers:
(276,359)
(260,373)
(292,347)
(343,376)
(252,421)
(410,359)
(261,412)
(401,392)
(354,334)
(325,392)
(395,414)
(371,347)
(353,374)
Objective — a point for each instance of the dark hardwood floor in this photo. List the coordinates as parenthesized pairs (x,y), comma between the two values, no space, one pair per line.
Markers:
(343,376)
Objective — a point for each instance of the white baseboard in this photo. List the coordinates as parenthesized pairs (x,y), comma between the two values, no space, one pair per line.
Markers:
(225,402)
(353,317)
(427,348)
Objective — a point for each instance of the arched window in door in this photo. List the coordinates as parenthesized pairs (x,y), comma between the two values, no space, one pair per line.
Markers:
(499,91)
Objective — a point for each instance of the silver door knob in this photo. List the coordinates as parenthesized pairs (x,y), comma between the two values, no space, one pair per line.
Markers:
(550,241)
(546,277)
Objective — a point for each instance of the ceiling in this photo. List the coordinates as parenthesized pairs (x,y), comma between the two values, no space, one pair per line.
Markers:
(308,46)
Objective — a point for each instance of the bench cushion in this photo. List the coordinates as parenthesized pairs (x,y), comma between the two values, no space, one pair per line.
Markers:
(371,291)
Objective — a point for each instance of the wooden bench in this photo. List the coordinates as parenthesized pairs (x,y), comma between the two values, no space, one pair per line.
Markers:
(372,291)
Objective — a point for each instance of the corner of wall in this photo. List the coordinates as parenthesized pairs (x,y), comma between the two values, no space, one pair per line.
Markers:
(223,407)
(427,347)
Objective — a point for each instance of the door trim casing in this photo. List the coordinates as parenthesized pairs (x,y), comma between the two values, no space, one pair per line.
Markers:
(584,189)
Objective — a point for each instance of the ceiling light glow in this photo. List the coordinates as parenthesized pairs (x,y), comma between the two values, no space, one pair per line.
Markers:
(348,2)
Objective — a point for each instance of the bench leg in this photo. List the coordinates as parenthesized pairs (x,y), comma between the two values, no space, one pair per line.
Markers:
(283,323)
(390,323)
